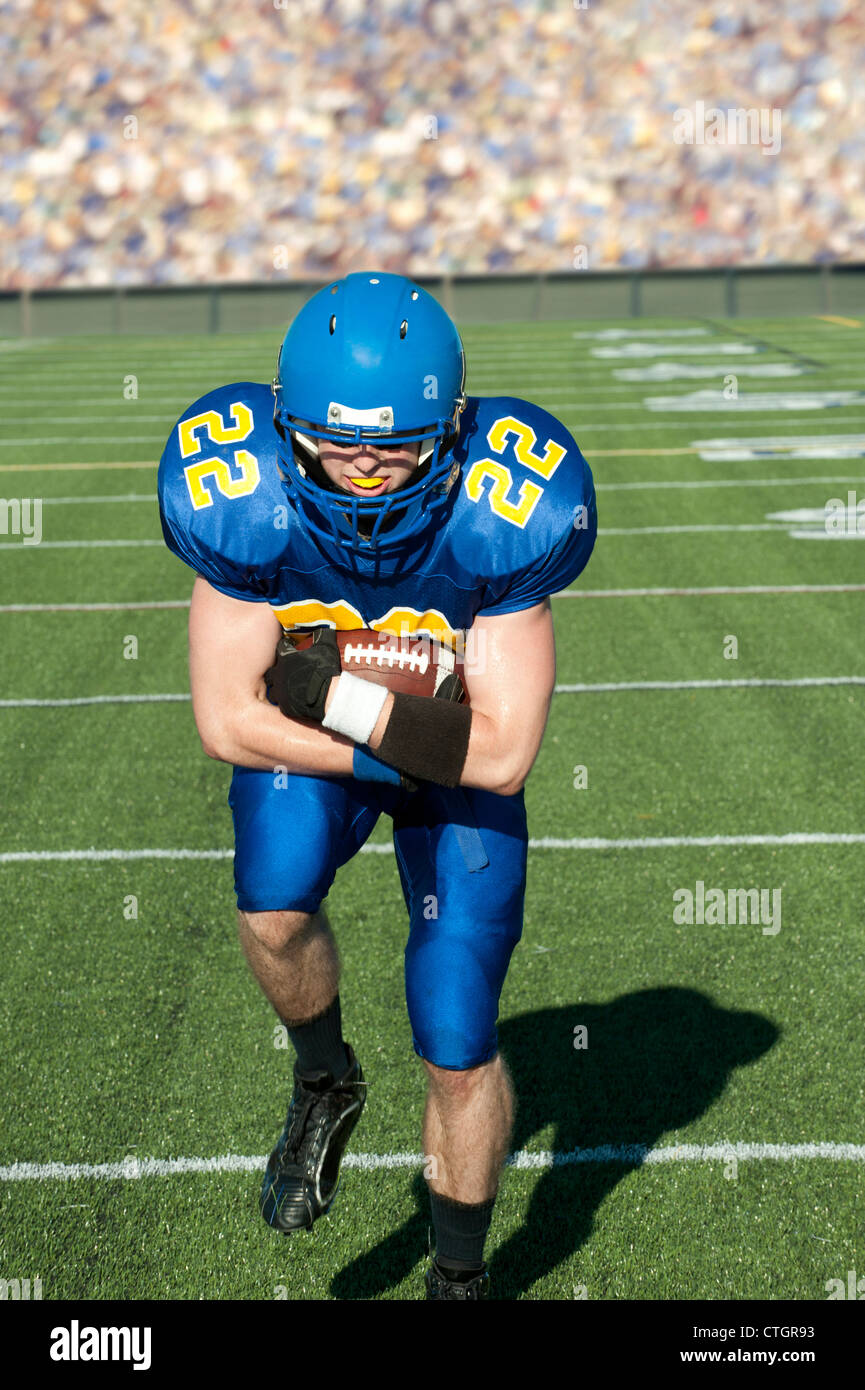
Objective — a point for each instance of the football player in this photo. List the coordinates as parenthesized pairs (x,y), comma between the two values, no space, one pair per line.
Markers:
(366,490)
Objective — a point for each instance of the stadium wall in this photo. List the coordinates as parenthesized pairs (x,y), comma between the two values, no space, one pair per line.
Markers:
(757,292)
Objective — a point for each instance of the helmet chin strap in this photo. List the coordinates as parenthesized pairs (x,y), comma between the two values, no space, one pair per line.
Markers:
(310,446)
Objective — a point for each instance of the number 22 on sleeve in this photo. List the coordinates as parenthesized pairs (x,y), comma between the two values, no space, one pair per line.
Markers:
(500,477)
(216,469)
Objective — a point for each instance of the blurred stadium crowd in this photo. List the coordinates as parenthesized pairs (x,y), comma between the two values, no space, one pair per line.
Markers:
(189,140)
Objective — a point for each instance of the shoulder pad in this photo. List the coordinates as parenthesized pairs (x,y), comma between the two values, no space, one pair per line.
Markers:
(530,499)
(218,487)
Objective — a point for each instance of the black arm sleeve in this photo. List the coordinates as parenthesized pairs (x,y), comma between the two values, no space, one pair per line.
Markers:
(427,739)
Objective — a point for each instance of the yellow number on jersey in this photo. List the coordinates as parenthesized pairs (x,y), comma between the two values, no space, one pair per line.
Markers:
(217,469)
(500,477)
(517,513)
(497,438)
(217,430)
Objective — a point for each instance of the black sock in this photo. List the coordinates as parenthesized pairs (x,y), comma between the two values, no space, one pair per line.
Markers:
(319,1043)
(460,1231)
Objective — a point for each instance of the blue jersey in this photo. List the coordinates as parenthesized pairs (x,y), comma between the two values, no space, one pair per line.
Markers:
(522,525)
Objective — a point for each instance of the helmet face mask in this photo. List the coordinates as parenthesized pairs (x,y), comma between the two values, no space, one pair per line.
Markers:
(365,524)
(387,369)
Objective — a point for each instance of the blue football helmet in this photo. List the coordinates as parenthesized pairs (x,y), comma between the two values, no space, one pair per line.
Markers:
(372,358)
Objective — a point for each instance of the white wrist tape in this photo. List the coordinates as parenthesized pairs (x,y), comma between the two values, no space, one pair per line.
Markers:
(355,707)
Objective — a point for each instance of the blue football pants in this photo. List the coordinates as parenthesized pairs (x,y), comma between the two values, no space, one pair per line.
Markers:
(461,855)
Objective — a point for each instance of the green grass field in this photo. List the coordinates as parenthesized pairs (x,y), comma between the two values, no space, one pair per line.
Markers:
(128,1039)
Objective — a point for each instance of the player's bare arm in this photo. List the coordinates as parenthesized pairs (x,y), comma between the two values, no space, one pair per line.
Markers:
(490,743)
(510,692)
(231,645)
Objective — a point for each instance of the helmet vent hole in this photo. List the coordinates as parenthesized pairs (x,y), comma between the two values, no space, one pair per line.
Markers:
(332,323)
(403,328)
(414,294)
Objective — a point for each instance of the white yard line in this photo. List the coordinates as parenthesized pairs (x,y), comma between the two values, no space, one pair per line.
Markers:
(64,440)
(120,413)
(631,1155)
(780,527)
(792,839)
(733,589)
(154,497)
(713,591)
(31,468)
(91,607)
(660,485)
(674,450)
(605,687)
(650,485)
(483,382)
(700,841)
(79,545)
(583,428)
(76,700)
(798,681)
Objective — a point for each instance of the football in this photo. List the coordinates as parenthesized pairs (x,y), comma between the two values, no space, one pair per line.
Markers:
(410,665)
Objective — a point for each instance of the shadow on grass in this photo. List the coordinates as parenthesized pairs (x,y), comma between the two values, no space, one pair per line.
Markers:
(654,1062)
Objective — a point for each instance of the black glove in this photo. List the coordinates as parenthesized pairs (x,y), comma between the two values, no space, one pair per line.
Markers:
(299,681)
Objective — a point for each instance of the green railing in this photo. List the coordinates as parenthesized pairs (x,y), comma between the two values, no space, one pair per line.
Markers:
(752,292)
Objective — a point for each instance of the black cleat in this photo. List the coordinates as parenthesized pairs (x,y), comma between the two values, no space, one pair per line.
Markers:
(438,1285)
(302,1174)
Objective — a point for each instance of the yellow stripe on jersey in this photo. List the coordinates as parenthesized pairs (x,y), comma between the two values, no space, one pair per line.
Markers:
(311,613)
(343,616)
(410,621)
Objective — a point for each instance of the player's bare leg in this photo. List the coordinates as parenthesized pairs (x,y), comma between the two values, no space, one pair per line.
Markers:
(293,957)
(467,1127)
